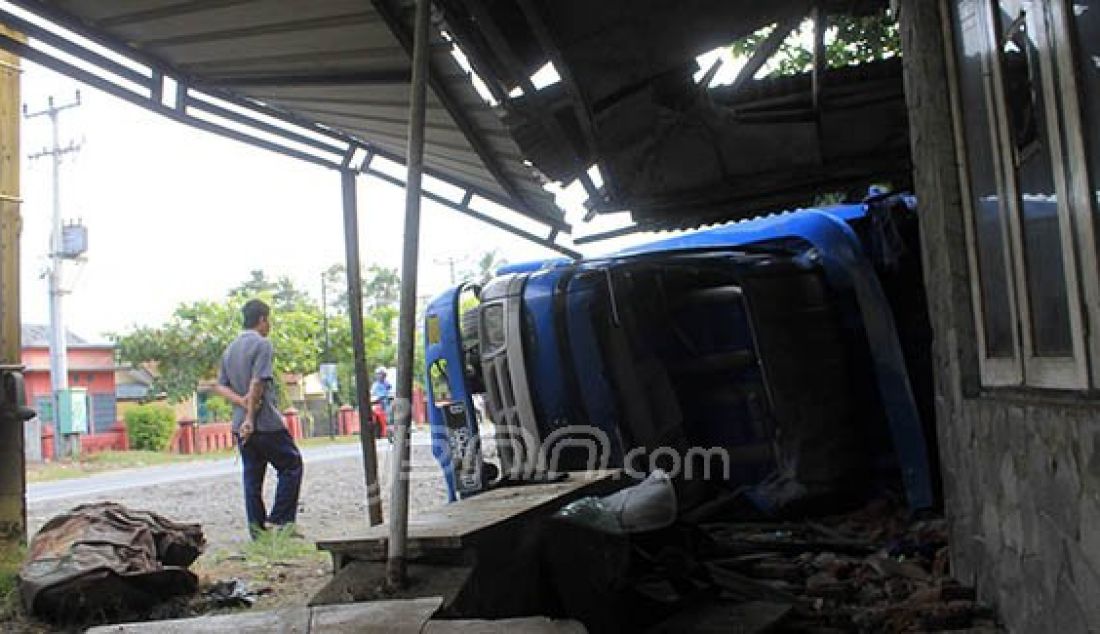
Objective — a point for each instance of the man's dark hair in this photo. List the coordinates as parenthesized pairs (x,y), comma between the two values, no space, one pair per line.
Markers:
(252,311)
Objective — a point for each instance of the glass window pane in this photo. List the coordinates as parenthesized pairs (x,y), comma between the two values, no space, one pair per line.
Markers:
(989,212)
(1086,23)
(1043,262)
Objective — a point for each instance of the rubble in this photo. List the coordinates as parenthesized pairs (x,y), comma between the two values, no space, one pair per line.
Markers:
(867,571)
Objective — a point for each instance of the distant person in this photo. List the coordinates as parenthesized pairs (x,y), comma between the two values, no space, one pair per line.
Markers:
(382,392)
(246,379)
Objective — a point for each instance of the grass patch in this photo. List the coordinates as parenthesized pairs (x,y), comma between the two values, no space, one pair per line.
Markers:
(10,560)
(111,461)
(279,546)
(107,460)
(114,460)
(323,441)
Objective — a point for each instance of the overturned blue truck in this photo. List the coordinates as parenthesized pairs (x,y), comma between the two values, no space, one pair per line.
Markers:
(784,360)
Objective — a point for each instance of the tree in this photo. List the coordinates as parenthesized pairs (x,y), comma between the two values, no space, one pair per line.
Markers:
(855,40)
(186,350)
(381,287)
(282,294)
(485,267)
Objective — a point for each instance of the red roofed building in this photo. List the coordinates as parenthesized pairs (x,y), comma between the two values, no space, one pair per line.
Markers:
(91,366)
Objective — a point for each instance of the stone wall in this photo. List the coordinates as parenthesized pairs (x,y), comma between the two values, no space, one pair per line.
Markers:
(1023,477)
(1020,470)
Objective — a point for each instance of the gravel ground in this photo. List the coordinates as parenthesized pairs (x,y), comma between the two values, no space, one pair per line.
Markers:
(333,505)
(333,499)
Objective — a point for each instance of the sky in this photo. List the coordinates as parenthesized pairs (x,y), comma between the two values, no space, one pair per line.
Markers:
(175,214)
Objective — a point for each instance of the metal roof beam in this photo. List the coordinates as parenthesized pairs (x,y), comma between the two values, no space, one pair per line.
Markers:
(324,148)
(450,103)
(359,17)
(170,11)
(464,208)
(351,78)
(39,57)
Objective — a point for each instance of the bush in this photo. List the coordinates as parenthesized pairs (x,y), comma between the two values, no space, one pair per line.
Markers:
(218,410)
(150,426)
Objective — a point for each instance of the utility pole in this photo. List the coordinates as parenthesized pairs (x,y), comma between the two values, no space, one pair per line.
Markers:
(328,354)
(59,362)
(450,261)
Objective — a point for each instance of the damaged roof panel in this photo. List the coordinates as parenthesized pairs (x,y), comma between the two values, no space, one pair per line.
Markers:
(671,151)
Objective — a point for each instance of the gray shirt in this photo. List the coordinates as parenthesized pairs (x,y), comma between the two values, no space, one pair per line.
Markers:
(249,357)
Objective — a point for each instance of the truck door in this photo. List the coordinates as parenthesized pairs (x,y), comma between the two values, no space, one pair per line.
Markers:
(456,443)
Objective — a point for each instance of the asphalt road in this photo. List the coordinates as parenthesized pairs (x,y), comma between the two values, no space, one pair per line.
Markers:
(111,481)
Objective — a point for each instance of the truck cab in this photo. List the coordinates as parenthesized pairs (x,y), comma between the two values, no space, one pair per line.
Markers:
(761,357)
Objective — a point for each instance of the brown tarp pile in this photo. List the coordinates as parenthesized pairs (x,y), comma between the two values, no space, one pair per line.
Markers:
(104,558)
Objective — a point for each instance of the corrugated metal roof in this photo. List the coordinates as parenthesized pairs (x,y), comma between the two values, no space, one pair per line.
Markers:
(38,336)
(343,64)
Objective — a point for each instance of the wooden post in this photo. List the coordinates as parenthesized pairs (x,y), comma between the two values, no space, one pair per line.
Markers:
(355,315)
(406,331)
(13,510)
(928,70)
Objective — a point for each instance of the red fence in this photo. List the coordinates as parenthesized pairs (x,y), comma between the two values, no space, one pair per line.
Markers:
(114,439)
(192,438)
(347,421)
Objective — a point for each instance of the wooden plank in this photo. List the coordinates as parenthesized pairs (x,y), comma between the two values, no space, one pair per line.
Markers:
(451,526)
(381,617)
(389,617)
(287,621)
(529,625)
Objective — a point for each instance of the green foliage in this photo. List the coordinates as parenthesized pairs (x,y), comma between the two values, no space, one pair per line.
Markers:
(850,40)
(484,268)
(187,349)
(279,546)
(150,426)
(381,287)
(184,350)
(11,558)
(218,409)
(284,296)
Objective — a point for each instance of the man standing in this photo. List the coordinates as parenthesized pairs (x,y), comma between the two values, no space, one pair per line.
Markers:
(246,379)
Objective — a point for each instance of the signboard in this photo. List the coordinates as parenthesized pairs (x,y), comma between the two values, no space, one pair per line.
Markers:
(72,410)
(328,377)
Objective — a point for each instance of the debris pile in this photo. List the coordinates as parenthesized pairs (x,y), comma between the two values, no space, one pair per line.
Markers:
(232,593)
(103,559)
(868,571)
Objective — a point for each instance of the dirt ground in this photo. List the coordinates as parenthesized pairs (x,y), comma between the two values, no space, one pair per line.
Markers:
(333,504)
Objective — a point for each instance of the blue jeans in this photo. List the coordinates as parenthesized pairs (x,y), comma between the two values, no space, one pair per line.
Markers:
(278,449)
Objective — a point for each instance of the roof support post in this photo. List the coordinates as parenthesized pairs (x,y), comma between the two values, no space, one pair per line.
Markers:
(13,510)
(820,63)
(406,331)
(355,314)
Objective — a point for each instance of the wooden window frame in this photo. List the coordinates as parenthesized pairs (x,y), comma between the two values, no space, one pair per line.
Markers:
(1078,177)
(1046,372)
(995,371)
(1051,26)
